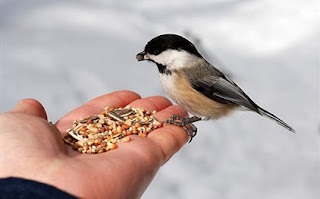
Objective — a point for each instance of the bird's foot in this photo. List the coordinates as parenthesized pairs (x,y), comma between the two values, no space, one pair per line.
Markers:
(185,123)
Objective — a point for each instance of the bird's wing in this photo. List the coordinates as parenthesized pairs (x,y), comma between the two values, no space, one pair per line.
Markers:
(223,90)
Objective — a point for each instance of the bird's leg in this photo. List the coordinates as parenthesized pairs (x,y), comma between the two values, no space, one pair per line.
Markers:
(185,123)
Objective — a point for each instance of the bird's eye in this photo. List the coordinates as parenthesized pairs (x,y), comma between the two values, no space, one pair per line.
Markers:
(156,52)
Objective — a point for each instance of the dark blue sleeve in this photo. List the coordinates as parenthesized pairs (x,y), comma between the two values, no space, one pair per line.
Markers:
(18,188)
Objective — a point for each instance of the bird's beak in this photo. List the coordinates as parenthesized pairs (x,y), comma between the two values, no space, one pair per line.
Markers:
(142,56)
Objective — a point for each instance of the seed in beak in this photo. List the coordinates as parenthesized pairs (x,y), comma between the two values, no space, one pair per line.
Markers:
(140,56)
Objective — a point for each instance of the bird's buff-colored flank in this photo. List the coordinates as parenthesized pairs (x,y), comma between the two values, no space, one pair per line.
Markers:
(191,100)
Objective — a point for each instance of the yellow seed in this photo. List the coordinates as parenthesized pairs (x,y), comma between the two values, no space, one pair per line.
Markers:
(129,122)
(111,146)
(98,141)
(140,111)
(101,121)
(80,143)
(119,129)
(94,130)
(126,139)
(114,126)
(90,142)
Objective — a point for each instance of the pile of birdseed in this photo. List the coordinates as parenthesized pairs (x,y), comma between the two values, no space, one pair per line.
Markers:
(101,133)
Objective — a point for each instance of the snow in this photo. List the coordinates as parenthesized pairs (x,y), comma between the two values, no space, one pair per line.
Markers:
(65,53)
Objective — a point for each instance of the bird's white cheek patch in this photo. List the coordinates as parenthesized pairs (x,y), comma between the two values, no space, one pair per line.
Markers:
(174,59)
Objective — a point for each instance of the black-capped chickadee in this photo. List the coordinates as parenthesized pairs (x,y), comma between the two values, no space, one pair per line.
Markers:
(195,84)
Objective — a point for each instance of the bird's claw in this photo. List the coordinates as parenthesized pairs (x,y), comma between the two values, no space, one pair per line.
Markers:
(190,128)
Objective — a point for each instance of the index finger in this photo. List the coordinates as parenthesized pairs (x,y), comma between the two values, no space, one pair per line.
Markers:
(170,138)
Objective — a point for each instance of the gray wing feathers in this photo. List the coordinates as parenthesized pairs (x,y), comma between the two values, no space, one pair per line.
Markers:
(223,91)
(226,91)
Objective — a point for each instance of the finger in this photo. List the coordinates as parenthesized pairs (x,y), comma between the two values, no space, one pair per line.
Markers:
(156,103)
(169,138)
(96,106)
(30,107)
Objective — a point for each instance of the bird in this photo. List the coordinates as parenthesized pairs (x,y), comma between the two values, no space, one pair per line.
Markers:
(195,84)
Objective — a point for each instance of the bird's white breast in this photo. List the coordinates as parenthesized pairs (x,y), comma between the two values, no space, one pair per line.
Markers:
(168,83)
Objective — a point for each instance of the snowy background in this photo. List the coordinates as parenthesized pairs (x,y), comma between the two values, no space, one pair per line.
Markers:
(65,53)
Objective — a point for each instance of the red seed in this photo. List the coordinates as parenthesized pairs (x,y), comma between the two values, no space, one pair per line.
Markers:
(125,126)
(102,129)
(98,141)
(103,144)
(114,146)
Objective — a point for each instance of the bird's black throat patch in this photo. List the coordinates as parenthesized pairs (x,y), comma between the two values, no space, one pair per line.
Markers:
(163,69)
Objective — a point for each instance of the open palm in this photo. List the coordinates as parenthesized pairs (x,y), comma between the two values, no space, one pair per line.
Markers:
(33,148)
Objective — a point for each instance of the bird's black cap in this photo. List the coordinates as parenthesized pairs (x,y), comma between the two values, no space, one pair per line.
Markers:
(170,41)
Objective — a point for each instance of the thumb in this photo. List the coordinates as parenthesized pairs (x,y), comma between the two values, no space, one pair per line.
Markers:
(30,107)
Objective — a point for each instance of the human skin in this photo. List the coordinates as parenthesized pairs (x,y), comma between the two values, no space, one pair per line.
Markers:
(33,148)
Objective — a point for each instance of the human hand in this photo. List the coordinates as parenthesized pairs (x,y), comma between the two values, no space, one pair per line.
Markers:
(32,148)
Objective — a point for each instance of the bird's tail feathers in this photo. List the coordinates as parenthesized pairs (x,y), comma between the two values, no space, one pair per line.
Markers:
(269,115)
